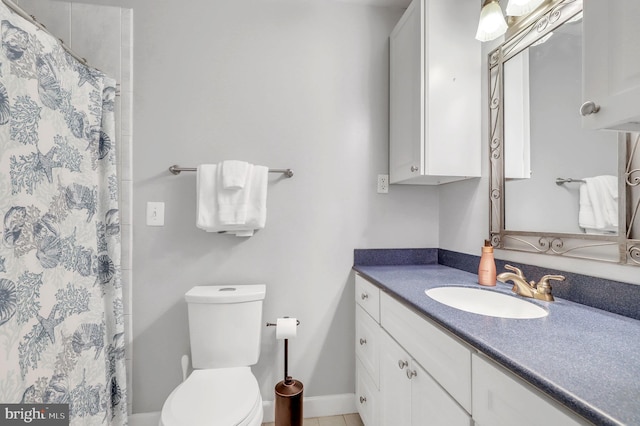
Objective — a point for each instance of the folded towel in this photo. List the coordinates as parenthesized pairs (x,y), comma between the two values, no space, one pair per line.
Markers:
(598,212)
(232,203)
(253,202)
(234,174)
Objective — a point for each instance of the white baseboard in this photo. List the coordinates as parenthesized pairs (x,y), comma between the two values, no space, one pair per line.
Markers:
(315,406)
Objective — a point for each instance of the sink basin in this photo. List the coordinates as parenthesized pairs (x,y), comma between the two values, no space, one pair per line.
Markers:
(486,302)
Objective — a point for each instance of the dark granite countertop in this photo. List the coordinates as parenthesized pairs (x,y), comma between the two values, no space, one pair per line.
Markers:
(585,358)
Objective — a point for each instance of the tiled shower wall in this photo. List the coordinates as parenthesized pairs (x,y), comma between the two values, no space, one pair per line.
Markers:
(104,36)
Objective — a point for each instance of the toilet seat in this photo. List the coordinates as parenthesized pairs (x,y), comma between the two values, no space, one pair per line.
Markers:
(220,397)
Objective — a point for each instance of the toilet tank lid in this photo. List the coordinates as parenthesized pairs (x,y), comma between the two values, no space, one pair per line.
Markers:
(225,293)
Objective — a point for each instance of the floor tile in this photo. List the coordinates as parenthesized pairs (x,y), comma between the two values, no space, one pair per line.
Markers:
(332,421)
(353,419)
(346,420)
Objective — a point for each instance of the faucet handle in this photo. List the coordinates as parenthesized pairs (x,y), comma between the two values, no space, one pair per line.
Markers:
(544,287)
(516,270)
(545,280)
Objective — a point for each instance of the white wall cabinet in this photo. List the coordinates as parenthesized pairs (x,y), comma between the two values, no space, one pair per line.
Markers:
(410,372)
(435,69)
(611,64)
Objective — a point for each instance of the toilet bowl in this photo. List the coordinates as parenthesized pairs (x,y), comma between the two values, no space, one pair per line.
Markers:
(225,325)
(215,397)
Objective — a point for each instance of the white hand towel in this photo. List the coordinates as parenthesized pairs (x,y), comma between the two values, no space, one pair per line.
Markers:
(233,203)
(257,200)
(234,174)
(599,205)
(206,201)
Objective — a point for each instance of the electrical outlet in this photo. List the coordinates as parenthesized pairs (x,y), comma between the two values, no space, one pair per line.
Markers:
(383,184)
(155,213)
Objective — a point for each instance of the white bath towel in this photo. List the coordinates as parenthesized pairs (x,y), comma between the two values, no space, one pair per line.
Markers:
(235,174)
(206,200)
(598,212)
(254,201)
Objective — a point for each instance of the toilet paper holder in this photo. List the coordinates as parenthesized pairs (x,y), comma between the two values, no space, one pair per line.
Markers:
(273,324)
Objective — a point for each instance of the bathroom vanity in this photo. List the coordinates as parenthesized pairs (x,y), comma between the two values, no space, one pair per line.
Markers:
(419,361)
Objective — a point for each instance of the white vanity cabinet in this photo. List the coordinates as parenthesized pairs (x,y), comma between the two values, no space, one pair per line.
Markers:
(410,372)
(367,337)
(402,370)
(611,64)
(435,69)
(501,399)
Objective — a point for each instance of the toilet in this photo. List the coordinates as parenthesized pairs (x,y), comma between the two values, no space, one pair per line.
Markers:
(225,325)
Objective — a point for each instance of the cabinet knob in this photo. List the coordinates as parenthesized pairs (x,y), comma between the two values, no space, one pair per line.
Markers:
(414,168)
(363,400)
(364,296)
(363,342)
(411,373)
(589,108)
(402,364)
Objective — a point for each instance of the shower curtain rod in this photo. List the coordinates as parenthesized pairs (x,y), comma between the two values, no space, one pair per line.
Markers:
(31,18)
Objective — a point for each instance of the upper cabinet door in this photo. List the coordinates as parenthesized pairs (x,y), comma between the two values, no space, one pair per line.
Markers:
(611,65)
(406,96)
(435,69)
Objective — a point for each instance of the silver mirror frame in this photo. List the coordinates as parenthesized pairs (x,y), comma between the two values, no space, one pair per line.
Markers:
(620,248)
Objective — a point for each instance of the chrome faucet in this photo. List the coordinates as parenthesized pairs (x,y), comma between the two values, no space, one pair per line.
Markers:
(540,291)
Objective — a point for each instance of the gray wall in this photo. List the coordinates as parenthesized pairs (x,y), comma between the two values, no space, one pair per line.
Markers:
(284,84)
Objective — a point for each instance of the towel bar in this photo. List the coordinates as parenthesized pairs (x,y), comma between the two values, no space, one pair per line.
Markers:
(175,169)
(562,181)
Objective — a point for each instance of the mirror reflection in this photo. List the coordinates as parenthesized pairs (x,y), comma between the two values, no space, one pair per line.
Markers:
(544,141)
(536,138)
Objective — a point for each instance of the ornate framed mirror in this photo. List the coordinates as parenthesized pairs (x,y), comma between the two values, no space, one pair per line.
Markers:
(556,188)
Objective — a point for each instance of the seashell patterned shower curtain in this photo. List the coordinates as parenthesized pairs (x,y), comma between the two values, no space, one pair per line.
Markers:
(61,314)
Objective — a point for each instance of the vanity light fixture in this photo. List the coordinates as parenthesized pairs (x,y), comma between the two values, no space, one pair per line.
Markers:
(522,7)
(492,23)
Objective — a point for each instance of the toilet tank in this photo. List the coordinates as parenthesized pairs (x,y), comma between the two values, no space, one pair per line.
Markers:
(225,325)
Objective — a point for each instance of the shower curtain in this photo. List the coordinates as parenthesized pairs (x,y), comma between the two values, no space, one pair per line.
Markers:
(61,313)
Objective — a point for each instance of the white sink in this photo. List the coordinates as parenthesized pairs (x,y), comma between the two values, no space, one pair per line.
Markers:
(486,302)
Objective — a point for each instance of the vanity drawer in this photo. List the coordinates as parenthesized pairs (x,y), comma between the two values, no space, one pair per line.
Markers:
(368,344)
(368,296)
(445,358)
(366,396)
(500,399)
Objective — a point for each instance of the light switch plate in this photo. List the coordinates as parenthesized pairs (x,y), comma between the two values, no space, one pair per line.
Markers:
(155,213)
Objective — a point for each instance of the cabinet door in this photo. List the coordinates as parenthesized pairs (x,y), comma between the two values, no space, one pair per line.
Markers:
(611,63)
(499,399)
(395,386)
(431,405)
(445,358)
(406,79)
